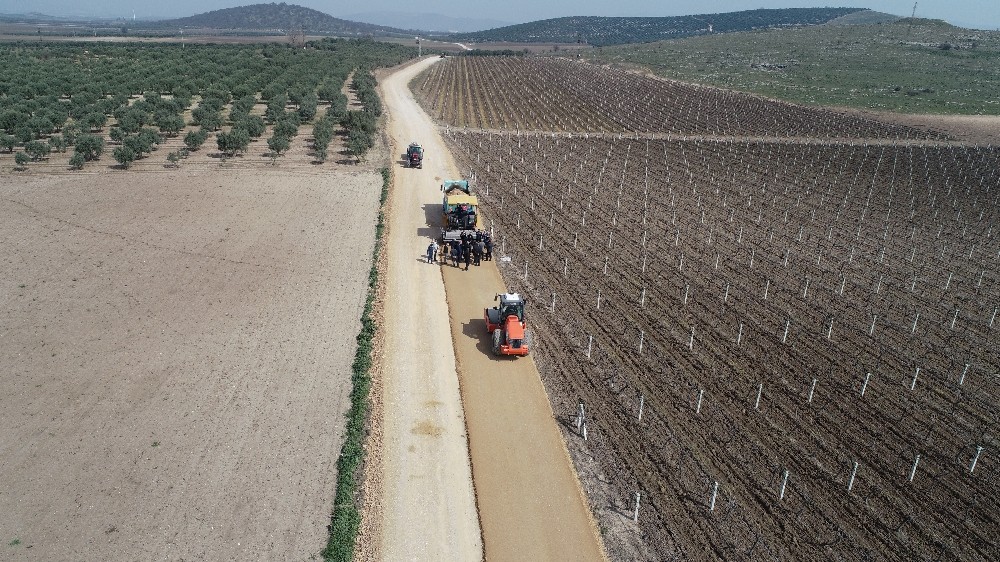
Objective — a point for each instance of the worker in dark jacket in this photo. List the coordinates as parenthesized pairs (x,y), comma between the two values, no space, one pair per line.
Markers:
(477,251)
(488,247)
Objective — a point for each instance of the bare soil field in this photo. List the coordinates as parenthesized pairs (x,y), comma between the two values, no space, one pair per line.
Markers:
(786,346)
(177,350)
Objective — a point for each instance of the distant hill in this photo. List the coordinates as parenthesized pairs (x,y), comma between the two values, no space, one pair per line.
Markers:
(437,23)
(602,31)
(273,17)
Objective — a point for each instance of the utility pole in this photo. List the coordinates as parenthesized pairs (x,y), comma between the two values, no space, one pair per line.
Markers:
(913,16)
(419,49)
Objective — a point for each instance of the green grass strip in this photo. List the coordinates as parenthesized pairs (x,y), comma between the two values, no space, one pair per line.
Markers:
(346,518)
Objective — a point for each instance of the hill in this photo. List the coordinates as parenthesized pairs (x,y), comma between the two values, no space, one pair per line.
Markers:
(910,65)
(274,16)
(602,31)
(435,23)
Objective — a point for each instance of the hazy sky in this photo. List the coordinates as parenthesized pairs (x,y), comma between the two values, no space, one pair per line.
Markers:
(984,14)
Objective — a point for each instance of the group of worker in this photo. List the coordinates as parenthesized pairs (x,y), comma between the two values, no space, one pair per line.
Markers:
(471,248)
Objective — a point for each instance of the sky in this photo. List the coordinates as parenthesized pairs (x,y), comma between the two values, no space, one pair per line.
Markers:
(981,14)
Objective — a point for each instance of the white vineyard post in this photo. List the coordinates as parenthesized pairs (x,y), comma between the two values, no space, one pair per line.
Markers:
(715,493)
(864,386)
(914,383)
(525,270)
(701,395)
(642,404)
(584,430)
(784,336)
(767,286)
(565,267)
(811,390)
(686,288)
(635,513)
(642,337)
(854,472)
(913,471)
(503,246)
(539,241)
(872,329)
(784,482)
(590,345)
(598,299)
(642,298)
(739,336)
(961,379)
(691,341)
(975,459)
(579,416)
(829,330)
(913,330)
(606,258)
(760,390)
(994,317)
(725,297)
(552,307)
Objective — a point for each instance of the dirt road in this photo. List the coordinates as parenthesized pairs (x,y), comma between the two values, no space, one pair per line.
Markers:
(177,351)
(530,503)
(421,502)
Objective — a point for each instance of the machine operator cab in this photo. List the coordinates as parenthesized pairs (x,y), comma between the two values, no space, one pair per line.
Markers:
(511,304)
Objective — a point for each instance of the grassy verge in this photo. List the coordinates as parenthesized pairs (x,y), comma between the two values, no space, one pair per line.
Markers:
(346,518)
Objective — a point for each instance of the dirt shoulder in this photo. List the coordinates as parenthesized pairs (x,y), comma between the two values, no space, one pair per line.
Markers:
(178,348)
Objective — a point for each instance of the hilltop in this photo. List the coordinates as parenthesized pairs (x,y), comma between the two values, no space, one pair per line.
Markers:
(273,17)
(603,31)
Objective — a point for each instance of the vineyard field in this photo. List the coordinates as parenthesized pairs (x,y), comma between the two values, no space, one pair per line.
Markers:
(559,95)
(785,344)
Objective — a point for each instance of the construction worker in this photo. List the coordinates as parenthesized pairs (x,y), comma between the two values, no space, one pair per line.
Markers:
(466,253)
(488,246)
(477,251)
(432,251)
